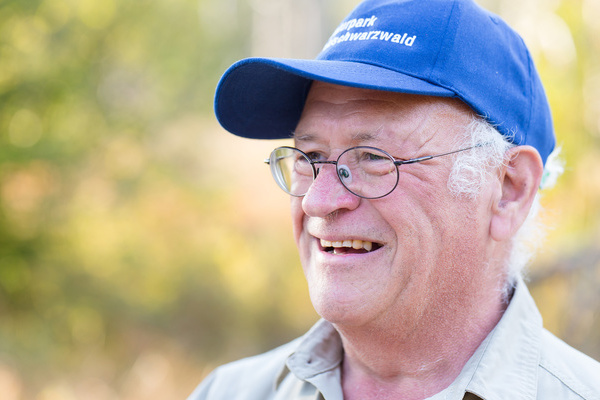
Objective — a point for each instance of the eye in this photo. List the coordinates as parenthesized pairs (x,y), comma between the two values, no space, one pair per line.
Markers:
(369,156)
(374,162)
(316,156)
(366,155)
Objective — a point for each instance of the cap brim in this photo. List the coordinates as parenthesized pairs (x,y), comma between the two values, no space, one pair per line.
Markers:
(263,98)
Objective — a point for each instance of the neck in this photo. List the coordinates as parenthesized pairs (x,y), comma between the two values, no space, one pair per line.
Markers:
(396,358)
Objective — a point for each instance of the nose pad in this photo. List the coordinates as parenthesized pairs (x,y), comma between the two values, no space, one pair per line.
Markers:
(345,174)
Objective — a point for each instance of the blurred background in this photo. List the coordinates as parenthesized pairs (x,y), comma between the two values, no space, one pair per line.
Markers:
(141,246)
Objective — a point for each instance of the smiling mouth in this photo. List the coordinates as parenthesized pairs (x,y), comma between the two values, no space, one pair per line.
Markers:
(349,246)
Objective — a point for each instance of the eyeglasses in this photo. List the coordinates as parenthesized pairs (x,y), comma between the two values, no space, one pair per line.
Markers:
(367,172)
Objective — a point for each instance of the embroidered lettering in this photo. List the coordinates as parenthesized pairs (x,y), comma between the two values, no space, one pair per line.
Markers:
(386,36)
(348,36)
(372,21)
(354,36)
(355,23)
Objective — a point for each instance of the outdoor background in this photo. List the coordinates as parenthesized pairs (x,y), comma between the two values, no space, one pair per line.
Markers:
(141,245)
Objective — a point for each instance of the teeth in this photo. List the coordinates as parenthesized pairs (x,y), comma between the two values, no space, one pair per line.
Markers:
(355,244)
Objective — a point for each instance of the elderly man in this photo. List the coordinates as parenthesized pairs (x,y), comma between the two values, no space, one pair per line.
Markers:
(420,137)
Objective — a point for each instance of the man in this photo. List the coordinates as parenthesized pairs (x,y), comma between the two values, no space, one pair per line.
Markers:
(421,132)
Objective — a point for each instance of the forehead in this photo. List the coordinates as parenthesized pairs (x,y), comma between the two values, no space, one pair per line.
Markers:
(340,112)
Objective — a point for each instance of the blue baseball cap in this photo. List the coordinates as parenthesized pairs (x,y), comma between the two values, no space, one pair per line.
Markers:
(445,48)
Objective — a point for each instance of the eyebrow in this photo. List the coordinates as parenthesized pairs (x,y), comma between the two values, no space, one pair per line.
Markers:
(356,138)
(304,137)
(366,137)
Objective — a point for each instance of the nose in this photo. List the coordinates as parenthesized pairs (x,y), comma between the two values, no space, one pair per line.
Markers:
(327,194)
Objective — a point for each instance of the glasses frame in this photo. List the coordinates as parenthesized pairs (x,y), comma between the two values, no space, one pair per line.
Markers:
(396,162)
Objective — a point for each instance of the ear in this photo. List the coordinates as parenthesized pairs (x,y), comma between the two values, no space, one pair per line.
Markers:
(519,182)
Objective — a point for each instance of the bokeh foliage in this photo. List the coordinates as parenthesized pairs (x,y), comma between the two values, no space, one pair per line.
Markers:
(140,246)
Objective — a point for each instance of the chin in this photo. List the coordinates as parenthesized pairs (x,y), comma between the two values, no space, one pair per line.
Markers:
(341,308)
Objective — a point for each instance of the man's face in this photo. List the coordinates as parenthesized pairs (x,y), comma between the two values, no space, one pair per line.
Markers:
(428,247)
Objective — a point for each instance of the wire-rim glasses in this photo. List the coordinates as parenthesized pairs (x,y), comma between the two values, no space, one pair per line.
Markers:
(365,171)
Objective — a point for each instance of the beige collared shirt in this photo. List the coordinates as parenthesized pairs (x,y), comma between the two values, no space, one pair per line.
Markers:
(519,359)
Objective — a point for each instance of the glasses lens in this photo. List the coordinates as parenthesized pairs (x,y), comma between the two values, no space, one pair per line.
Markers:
(291,170)
(367,172)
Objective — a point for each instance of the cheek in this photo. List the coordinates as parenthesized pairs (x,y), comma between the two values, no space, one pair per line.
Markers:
(425,196)
(425,221)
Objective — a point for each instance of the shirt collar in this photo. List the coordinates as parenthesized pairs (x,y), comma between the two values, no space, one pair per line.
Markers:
(511,353)
(315,363)
(504,366)
(320,350)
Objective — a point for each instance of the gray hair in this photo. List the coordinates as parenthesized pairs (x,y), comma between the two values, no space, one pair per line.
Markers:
(472,169)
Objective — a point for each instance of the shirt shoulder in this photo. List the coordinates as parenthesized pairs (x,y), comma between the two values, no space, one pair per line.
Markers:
(251,378)
(565,372)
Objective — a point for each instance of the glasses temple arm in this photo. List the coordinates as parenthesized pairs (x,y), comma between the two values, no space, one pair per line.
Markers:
(425,158)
